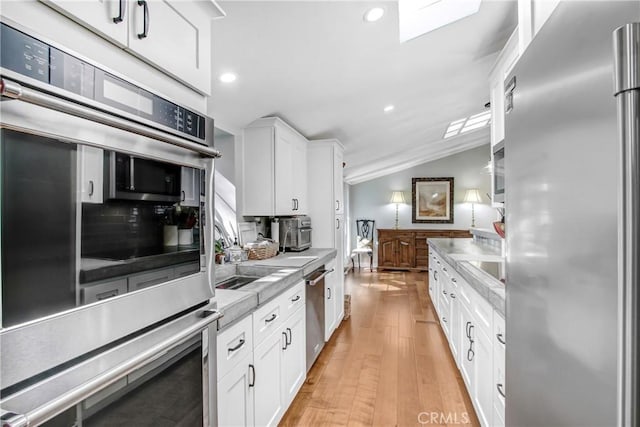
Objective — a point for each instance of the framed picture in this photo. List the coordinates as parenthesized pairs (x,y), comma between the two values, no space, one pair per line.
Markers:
(432,200)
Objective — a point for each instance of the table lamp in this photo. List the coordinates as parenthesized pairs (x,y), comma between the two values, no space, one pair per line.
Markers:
(397,197)
(472,196)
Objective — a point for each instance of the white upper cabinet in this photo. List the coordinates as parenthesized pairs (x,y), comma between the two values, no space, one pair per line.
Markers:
(274,169)
(91,161)
(190,183)
(506,60)
(105,17)
(174,36)
(338,184)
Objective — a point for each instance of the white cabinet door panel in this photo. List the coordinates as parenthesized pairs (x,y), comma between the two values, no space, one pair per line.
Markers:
(97,15)
(91,173)
(268,380)
(284,154)
(294,359)
(235,396)
(175,38)
(483,383)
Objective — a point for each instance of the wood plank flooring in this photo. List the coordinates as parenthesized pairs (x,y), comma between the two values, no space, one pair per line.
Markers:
(389,364)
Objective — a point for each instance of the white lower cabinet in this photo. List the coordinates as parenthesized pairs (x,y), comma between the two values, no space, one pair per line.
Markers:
(267,358)
(476,334)
(259,376)
(483,383)
(236,395)
(330,301)
(294,356)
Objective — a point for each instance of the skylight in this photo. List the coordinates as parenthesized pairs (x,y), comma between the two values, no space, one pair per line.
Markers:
(468,124)
(418,17)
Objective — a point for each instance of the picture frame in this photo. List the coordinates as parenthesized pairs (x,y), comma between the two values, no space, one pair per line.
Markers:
(432,200)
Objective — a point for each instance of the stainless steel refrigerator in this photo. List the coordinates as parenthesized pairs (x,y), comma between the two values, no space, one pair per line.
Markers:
(572,201)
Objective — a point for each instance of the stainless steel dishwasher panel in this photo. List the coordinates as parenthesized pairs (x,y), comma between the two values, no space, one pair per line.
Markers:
(315,314)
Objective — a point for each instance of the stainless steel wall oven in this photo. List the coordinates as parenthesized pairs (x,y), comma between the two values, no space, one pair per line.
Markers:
(99,308)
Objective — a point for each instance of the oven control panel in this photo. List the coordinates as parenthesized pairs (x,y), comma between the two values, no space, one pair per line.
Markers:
(33,58)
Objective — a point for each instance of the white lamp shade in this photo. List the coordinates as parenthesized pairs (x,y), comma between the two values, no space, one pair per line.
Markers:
(472,196)
(397,197)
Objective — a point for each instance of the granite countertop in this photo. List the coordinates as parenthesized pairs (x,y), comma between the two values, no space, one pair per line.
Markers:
(459,252)
(275,274)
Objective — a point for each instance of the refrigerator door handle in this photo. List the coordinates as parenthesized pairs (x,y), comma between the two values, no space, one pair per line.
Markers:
(626,41)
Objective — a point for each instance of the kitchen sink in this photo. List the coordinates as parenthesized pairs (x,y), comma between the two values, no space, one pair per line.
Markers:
(236,282)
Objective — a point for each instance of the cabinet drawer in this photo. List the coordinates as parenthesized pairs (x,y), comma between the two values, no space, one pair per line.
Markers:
(293,299)
(186,269)
(267,319)
(144,280)
(234,344)
(103,290)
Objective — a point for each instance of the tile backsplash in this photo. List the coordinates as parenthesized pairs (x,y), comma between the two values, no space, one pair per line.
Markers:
(117,225)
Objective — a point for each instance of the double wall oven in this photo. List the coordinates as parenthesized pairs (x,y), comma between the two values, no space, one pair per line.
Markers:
(102,321)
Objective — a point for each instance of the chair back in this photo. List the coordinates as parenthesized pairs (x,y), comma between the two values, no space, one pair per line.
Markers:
(365,228)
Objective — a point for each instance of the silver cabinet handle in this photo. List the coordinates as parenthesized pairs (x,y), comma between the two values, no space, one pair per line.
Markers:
(337,223)
(444,319)
(286,341)
(240,344)
(454,280)
(452,296)
(293,204)
(290,340)
(337,205)
(184,196)
(444,269)
(500,338)
(329,292)
(444,291)
(297,298)
(500,390)
(91,188)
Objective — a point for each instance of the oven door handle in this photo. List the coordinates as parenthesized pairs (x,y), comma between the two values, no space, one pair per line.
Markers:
(78,394)
(14,90)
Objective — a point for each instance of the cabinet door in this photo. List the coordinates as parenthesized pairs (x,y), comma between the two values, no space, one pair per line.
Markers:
(467,348)
(299,168)
(100,16)
(330,302)
(91,173)
(285,141)
(483,384)
(268,392)
(454,329)
(387,252)
(339,269)
(190,183)
(338,185)
(406,252)
(294,356)
(258,169)
(236,396)
(183,52)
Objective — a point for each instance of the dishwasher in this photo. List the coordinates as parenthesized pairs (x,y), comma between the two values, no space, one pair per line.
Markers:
(315,313)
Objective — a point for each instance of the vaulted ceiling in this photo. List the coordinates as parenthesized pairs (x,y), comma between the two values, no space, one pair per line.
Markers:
(326,72)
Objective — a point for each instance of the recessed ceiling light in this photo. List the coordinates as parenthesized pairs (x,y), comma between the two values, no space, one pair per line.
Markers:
(374,14)
(388,108)
(227,77)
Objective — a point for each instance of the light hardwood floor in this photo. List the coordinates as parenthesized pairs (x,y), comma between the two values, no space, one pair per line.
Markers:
(387,365)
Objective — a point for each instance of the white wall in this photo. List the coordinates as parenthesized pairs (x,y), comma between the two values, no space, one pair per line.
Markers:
(370,199)
(226,164)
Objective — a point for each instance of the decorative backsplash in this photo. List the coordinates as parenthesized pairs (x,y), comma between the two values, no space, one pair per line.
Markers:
(121,226)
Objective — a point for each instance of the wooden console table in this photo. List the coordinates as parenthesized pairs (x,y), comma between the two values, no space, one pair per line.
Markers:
(406,249)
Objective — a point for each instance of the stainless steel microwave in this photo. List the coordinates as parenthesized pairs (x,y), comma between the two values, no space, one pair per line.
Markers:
(295,233)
